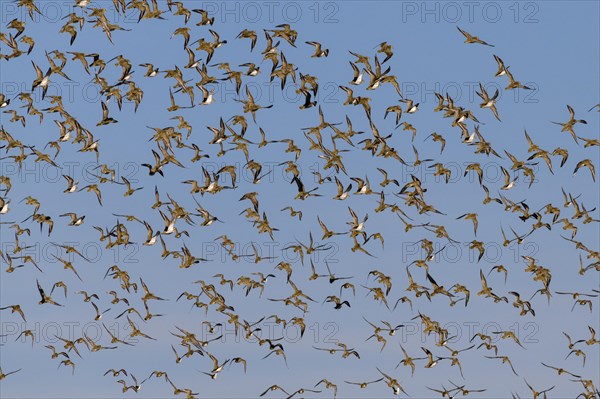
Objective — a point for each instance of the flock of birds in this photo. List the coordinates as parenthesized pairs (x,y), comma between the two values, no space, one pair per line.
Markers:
(187,145)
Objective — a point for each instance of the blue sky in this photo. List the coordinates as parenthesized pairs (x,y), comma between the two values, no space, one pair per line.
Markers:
(550,46)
